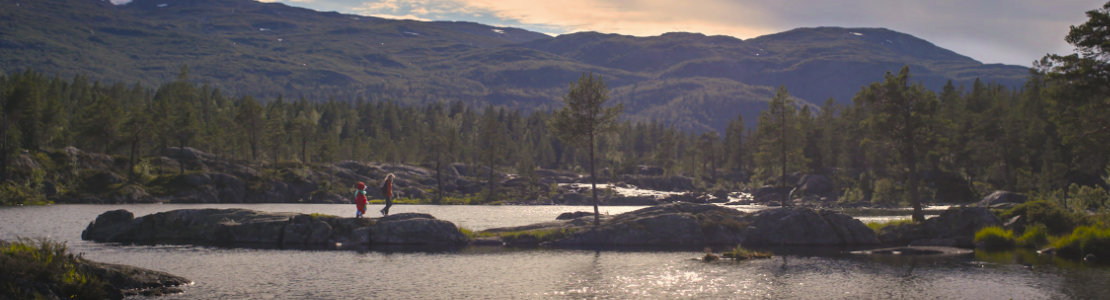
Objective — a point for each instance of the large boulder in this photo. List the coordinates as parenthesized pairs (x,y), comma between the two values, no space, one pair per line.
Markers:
(769,194)
(792,226)
(675,224)
(818,185)
(1001,197)
(695,225)
(242,227)
(953,227)
(415,229)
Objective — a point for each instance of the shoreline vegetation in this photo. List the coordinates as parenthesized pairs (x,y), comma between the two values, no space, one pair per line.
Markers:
(44,268)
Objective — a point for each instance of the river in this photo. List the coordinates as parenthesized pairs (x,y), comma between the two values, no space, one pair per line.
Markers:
(496,273)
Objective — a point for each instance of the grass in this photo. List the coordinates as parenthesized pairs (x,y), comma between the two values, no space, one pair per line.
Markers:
(741,253)
(37,268)
(1035,236)
(878,226)
(536,235)
(322,216)
(994,238)
(1084,240)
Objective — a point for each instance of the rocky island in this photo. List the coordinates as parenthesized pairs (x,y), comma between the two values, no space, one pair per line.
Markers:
(675,224)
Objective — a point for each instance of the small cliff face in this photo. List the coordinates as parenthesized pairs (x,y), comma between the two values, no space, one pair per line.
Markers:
(234,227)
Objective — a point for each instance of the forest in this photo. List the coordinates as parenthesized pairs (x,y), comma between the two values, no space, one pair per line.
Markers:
(895,141)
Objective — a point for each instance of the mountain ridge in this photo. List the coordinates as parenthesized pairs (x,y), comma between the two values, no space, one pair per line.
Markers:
(689,80)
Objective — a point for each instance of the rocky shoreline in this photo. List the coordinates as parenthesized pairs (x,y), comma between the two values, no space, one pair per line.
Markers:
(683,225)
(674,224)
(43,269)
(250,228)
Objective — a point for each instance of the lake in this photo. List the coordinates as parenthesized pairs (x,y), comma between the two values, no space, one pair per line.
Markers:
(497,273)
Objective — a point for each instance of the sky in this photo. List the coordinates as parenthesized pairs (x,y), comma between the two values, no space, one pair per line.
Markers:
(1014,32)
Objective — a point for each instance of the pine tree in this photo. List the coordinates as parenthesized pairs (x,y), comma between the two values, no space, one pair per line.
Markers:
(899,114)
(583,118)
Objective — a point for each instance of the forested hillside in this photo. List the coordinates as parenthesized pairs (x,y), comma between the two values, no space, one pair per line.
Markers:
(265,50)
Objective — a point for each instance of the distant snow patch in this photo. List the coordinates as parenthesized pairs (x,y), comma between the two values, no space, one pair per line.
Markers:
(263,29)
(498,31)
(119,2)
(856,33)
(412,33)
(162,5)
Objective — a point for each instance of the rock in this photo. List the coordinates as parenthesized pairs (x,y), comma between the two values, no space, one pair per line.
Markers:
(242,227)
(673,224)
(768,194)
(645,170)
(1047,251)
(934,242)
(719,196)
(108,225)
(415,229)
(814,185)
(687,197)
(916,251)
(1015,222)
(186,154)
(573,215)
(100,180)
(630,200)
(487,241)
(696,225)
(999,197)
(804,226)
(305,230)
(958,223)
(659,183)
(132,281)
(572,199)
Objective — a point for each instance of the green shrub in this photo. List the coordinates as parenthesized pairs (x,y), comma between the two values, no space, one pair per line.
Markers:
(994,238)
(31,268)
(1034,236)
(1055,219)
(12,193)
(1084,240)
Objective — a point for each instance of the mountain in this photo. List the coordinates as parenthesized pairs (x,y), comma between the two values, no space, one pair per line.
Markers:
(692,81)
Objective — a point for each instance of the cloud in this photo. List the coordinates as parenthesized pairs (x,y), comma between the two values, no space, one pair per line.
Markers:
(1015,31)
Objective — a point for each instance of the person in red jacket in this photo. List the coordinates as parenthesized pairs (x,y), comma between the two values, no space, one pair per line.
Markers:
(360,199)
(387,192)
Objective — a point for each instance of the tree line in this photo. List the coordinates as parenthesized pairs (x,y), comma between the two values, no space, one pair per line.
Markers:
(895,143)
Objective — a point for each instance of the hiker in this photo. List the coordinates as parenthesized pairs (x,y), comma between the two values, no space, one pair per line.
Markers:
(387,192)
(360,199)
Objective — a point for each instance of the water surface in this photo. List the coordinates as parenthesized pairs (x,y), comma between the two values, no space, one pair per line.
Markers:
(496,273)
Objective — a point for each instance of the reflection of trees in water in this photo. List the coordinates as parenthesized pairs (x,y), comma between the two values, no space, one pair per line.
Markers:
(586,281)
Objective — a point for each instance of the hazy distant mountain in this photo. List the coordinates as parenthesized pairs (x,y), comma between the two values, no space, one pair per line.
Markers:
(244,47)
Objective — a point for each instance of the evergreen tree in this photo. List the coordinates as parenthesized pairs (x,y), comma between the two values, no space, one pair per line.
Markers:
(583,118)
(899,114)
(780,141)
